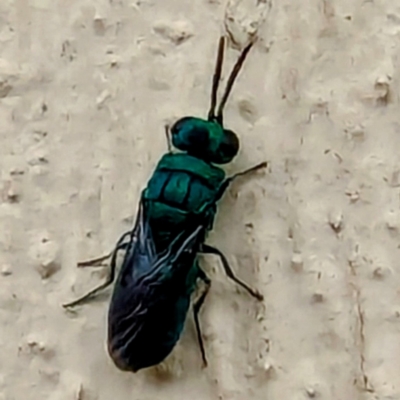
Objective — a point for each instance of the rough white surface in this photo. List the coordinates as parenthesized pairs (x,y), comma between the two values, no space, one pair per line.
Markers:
(85,89)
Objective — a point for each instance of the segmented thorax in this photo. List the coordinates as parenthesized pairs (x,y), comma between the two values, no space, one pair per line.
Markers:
(181,185)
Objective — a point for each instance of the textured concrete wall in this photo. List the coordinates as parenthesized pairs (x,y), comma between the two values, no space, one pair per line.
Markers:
(86,87)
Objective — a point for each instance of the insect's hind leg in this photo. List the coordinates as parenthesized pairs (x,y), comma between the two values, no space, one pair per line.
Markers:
(206,249)
(95,262)
(196,310)
(108,282)
(120,246)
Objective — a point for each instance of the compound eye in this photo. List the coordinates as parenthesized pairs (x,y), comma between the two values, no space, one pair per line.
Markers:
(228,147)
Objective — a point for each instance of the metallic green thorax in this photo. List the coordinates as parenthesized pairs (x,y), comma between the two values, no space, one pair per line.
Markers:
(181,185)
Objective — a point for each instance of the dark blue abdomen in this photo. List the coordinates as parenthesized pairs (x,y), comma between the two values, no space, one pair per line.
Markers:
(146,317)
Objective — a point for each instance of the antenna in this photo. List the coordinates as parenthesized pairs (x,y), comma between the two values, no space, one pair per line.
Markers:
(216,78)
(231,80)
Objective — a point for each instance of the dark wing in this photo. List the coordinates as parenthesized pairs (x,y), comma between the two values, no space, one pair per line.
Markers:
(150,300)
(142,262)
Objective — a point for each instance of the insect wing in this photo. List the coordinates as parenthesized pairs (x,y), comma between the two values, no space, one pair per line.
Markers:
(149,302)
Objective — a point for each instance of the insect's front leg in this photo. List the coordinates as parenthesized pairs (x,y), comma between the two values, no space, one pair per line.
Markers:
(206,249)
(249,170)
(229,180)
(196,310)
(168,136)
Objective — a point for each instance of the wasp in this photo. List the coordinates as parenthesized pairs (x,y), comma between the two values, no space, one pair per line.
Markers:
(160,268)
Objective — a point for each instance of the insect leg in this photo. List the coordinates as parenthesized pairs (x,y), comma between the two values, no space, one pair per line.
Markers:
(228,270)
(248,171)
(108,282)
(96,262)
(229,180)
(167,134)
(196,309)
